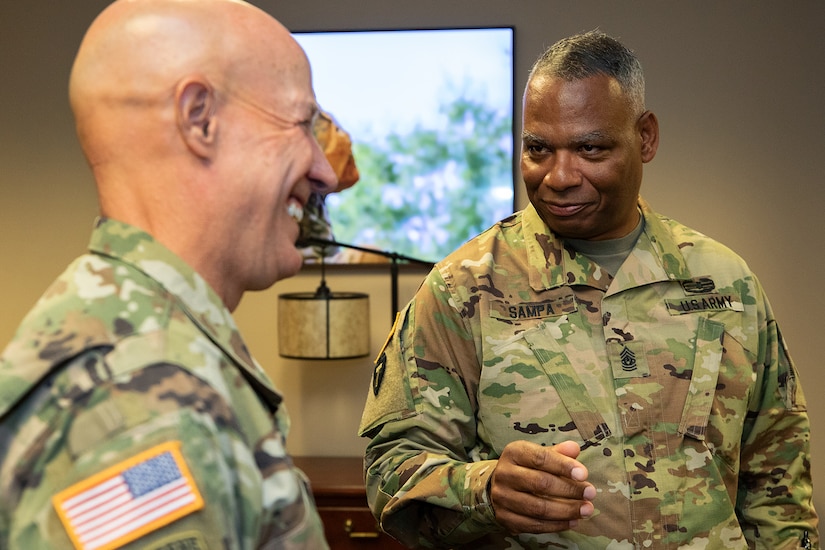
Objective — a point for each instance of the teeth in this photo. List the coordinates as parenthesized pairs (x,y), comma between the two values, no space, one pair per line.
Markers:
(295,211)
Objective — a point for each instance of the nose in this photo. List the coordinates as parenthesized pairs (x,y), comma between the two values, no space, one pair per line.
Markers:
(563,173)
(321,175)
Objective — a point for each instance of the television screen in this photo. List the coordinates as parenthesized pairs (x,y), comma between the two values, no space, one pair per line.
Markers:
(430,116)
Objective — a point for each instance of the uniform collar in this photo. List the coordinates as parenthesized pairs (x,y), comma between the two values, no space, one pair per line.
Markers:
(197,298)
(655,257)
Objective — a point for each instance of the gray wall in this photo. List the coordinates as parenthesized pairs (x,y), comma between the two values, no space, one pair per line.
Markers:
(737,86)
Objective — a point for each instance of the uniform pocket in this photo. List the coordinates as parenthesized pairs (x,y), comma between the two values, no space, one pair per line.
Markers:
(706,362)
(573,393)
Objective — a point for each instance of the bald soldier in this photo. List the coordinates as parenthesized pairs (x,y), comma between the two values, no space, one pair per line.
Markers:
(131,412)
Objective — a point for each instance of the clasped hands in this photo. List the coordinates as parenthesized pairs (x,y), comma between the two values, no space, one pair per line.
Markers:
(536,489)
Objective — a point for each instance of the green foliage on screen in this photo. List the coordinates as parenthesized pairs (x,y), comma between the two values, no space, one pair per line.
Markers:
(424,193)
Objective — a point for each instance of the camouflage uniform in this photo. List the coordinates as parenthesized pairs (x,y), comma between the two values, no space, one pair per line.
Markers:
(672,377)
(129,350)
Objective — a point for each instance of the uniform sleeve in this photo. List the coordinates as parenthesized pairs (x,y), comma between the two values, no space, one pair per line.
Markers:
(775,489)
(165,436)
(425,481)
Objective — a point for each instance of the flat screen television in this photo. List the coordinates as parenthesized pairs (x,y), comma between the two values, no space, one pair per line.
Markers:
(430,115)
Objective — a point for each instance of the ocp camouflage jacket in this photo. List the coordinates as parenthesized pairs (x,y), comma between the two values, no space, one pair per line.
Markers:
(130,369)
(672,377)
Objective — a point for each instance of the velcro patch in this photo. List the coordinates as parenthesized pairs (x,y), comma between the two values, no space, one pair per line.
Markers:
(533,310)
(128,500)
(191,540)
(704,302)
(628,359)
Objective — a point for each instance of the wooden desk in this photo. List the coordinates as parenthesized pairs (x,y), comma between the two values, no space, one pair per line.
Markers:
(338,488)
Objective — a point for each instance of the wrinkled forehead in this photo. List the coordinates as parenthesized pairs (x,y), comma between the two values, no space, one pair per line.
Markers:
(280,80)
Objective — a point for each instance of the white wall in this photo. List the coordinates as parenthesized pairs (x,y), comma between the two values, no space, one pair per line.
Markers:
(738,88)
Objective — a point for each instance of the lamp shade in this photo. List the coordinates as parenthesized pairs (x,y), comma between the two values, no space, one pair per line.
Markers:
(332,325)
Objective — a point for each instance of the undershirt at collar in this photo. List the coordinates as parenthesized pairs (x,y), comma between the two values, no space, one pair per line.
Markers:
(609,254)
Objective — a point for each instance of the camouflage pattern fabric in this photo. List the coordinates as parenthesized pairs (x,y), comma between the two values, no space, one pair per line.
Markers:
(316,224)
(673,378)
(129,349)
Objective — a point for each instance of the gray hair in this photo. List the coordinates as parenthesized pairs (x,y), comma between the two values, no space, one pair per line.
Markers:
(590,54)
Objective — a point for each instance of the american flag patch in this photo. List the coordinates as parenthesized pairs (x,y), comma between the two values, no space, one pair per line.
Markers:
(129,500)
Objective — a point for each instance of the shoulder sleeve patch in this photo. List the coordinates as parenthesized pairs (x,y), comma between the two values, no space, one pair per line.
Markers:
(188,540)
(128,500)
(390,396)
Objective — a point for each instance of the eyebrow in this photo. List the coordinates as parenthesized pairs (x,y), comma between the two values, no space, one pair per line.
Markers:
(596,135)
(531,137)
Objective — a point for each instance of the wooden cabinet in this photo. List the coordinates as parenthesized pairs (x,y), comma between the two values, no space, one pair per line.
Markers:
(338,487)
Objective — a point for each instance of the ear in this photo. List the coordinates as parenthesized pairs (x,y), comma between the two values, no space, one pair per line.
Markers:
(195,107)
(648,127)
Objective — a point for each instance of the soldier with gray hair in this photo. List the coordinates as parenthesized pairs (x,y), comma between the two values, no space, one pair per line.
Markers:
(587,373)
(132,414)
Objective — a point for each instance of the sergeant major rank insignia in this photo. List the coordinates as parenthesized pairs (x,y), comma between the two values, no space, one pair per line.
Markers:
(628,359)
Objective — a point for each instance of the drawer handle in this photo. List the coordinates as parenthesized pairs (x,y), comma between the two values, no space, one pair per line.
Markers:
(359,534)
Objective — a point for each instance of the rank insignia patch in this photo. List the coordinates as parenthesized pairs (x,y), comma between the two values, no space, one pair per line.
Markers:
(128,500)
(628,360)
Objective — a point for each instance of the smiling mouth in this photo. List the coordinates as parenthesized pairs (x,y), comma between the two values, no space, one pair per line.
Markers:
(295,211)
(565,210)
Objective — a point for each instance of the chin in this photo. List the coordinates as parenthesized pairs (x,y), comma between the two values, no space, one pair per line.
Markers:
(289,263)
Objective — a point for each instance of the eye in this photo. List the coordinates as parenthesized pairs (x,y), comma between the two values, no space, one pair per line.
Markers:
(535,148)
(592,150)
(308,126)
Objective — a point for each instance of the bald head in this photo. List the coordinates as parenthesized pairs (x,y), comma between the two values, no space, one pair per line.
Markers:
(144,46)
(137,51)
(196,118)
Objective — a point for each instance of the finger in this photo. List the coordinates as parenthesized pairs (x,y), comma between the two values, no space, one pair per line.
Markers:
(529,514)
(540,483)
(571,449)
(516,524)
(559,460)
(567,448)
